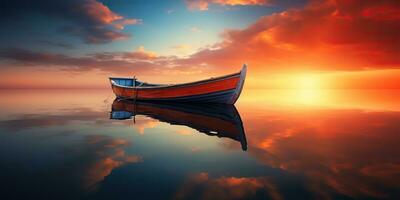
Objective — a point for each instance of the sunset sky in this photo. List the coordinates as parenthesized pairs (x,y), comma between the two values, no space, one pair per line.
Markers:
(286,44)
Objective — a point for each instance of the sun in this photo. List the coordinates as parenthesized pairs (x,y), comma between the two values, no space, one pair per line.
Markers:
(308,89)
(308,81)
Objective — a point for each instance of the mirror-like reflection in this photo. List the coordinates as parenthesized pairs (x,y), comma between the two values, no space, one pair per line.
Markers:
(65,147)
(212,119)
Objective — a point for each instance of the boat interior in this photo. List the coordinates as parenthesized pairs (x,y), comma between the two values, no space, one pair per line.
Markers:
(131,82)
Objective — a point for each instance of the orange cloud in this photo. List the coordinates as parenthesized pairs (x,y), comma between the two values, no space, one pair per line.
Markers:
(101,15)
(141,53)
(109,154)
(202,186)
(203,4)
(324,35)
(145,123)
(99,12)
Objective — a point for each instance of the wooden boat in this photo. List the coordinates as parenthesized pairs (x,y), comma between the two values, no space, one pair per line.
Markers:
(224,89)
(212,119)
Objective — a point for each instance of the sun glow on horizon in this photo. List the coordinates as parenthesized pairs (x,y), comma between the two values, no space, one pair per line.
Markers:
(308,81)
(360,99)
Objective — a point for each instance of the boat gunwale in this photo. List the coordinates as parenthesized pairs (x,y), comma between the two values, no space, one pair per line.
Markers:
(167,86)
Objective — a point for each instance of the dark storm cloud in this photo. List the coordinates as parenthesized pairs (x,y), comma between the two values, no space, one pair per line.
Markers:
(89,19)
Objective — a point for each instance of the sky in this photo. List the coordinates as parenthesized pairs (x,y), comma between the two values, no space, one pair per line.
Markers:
(286,44)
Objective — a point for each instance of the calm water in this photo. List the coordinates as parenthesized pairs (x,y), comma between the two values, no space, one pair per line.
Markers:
(275,144)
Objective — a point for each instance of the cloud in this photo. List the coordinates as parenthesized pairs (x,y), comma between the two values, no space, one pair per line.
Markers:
(104,154)
(141,53)
(91,20)
(144,123)
(142,62)
(106,61)
(202,186)
(323,35)
(98,12)
(202,5)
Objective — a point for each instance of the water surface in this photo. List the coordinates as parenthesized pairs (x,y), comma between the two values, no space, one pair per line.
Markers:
(275,144)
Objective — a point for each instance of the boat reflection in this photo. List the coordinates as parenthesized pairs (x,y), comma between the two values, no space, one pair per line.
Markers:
(212,119)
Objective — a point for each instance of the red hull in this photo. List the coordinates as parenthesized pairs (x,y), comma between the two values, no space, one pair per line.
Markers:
(225,89)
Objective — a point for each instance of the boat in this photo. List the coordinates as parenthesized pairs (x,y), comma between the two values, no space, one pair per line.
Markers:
(224,89)
(218,120)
